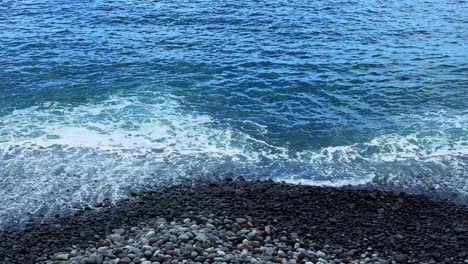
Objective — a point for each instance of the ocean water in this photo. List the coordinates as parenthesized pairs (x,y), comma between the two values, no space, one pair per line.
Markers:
(99,99)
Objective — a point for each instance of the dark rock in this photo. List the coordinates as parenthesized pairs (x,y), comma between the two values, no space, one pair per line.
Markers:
(401,258)
(125,260)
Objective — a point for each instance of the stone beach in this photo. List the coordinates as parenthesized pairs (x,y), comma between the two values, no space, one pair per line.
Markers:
(220,240)
(236,221)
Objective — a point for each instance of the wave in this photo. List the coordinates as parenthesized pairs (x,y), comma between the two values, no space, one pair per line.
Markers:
(56,156)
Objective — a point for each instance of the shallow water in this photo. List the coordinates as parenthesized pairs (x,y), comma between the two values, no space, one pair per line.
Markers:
(101,98)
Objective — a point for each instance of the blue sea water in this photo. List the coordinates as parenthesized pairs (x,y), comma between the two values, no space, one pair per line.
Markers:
(102,98)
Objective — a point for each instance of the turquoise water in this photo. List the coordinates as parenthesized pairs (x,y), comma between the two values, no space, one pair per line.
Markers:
(102,98)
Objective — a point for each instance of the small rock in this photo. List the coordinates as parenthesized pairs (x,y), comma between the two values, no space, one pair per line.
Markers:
(115,237)
(125,260)
(241,221)
(400,258)
(161,221)
(184,238)
(119,231)
(200,259)
(151,234)
(99,258)
(320,254)
(61,257)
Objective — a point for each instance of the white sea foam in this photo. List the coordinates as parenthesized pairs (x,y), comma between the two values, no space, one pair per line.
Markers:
(431,153)
(54,156)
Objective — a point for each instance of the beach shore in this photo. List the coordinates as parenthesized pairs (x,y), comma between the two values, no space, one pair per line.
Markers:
(238,221)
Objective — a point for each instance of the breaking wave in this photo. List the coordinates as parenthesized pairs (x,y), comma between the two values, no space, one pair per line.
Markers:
(54,156)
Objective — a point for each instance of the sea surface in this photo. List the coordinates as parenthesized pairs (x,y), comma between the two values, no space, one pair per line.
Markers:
(99,99)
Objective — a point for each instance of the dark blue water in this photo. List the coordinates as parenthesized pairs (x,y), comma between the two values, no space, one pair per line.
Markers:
(100,98)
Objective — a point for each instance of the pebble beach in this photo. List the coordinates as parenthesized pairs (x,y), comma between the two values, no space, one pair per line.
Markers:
(237,221)
(287,132)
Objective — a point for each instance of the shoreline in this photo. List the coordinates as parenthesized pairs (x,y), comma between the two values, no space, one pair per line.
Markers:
(346,224)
